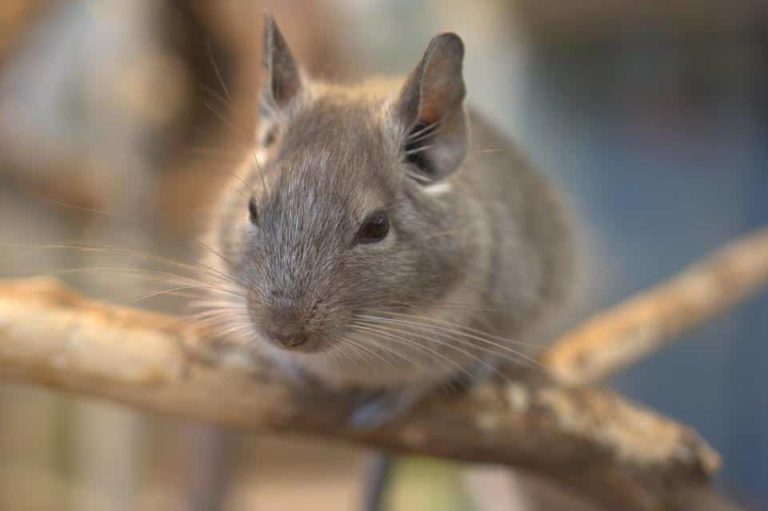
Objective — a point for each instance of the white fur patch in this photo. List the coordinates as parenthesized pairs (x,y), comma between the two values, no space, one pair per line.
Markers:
(260,155)
(438,188)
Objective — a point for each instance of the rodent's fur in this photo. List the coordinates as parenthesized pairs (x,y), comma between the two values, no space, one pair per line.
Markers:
(478,249)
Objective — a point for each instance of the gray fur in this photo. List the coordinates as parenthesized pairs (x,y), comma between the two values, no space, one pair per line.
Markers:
(481,243)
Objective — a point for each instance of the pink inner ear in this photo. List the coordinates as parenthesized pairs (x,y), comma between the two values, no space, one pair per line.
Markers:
(428,117)
(431,107)
(285,87)
(432,103)
(439,90)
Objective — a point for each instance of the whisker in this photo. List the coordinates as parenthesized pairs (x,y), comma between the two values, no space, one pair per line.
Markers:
(166,292)
(458,330)
(414,135)
(380,335)
(134,221)
(418,149)
(217,305)
(209,50)
(371,352)
(451,325)
(196,268)
(139,272)
(215,95)
(404,340)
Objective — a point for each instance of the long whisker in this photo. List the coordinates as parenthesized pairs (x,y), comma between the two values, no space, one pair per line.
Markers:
(225,303)
(196,268)
(390,335)
(414,135)
(219,313)
(376,340)
(167,292)
(451,326)
(218,114)
(371,352)
(209,50)
(440,342)
(157,276)
(221,100)
(419,149)
(462,334)
(163,276)
(135,221)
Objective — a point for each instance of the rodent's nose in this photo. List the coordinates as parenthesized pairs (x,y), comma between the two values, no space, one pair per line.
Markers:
(288,336)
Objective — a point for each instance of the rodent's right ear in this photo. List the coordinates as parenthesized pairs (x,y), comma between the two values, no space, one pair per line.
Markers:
(430,108)
(282,80)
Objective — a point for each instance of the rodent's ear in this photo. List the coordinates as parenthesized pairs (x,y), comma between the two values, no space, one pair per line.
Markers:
(431,109)
(282,80)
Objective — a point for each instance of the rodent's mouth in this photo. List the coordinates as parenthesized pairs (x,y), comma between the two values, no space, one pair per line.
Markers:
(303,344)
(295,334)
(290,336)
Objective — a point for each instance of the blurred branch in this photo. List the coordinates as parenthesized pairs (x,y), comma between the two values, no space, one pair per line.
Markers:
(620,454)
(626,333)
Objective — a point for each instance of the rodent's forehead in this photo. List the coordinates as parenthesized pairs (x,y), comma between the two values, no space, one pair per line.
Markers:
(352,133)
(333,155)
(318,185)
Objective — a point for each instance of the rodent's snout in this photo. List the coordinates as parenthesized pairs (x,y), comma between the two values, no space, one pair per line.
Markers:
(287,336)
(288,323)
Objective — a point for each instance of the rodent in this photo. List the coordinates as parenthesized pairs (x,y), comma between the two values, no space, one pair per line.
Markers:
(382,235)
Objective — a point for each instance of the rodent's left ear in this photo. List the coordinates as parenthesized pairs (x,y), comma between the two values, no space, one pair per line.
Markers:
(282,77)
(431,109)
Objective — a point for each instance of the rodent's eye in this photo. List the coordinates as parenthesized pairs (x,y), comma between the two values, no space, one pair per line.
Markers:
(375,228)
(253,211)
(270,137)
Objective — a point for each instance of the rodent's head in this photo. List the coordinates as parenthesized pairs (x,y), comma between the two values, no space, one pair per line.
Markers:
(347,209)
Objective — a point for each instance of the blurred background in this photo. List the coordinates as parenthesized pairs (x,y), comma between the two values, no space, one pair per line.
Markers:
(120,120)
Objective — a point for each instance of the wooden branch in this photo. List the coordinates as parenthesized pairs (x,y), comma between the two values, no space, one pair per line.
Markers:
(618,337)
(620,454)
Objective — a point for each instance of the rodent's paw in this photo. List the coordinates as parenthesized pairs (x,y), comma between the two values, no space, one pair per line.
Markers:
(376,410)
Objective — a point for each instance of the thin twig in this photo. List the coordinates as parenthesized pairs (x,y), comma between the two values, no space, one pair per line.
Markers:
(628,332)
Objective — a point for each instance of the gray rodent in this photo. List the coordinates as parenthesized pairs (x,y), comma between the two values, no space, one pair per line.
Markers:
(383,236)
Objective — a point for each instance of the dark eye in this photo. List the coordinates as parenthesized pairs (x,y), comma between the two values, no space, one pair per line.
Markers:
(375,228)
(270,138)
(253,212)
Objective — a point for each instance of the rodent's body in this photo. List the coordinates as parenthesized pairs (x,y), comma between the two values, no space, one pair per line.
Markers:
(476,249)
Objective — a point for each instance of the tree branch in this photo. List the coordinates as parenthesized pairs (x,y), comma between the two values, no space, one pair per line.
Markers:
(621,455)
(626,333)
